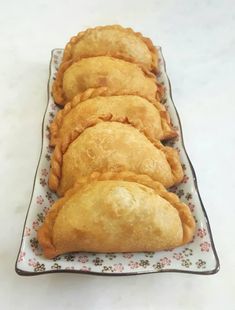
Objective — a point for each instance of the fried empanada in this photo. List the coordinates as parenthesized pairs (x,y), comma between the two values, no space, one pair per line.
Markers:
(136,110)
(114,41)
(111,146)
(119,76)
(116,213)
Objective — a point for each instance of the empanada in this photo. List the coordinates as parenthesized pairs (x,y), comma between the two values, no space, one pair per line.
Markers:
(119,76)
(136,110)
(116,213)
(114,41)
(112,146)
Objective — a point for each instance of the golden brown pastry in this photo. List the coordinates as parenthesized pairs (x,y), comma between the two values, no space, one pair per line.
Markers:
(112,146)
(116,213)
(114,41)
(136,110)
(119,76)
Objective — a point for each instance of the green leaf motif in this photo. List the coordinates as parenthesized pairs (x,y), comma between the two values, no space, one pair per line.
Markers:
(186,263)
(201,264)
(39,267)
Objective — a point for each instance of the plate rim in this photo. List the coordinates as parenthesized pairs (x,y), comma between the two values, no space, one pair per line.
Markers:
(22,272)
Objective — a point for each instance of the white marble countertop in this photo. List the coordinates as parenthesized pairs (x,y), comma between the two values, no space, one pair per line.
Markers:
(198,42)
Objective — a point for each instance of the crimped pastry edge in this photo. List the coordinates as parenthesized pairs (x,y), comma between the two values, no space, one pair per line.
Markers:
(187,220)
(57,87)
(148,42)
(62,146)
(55,126)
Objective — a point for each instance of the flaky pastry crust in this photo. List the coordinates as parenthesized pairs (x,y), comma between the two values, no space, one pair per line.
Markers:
(115,41)
(119,76)
(122,205)
(142,114)
(105,146)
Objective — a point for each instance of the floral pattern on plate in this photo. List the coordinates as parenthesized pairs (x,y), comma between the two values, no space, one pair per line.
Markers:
(199,256)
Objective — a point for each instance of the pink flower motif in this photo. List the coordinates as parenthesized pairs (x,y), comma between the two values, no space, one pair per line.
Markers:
(32,262)
(45,210)
(27,231)
(205,246)
(118,267)
(127,255)
(37,251)
(44,172)
(35,225)
(85,268)
(165,261)
(178,256)
(21,256)
(191,206)
(201,232)
(39,199)
(185,179)
(133,265)
(53,106)
(83,259)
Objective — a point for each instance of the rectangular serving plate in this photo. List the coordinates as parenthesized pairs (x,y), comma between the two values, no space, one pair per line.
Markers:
(197,257)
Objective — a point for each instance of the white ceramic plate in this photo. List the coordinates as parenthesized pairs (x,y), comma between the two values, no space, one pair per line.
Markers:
(197,257)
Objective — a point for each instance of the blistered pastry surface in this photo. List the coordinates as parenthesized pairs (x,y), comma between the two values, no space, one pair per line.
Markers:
(198,256)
